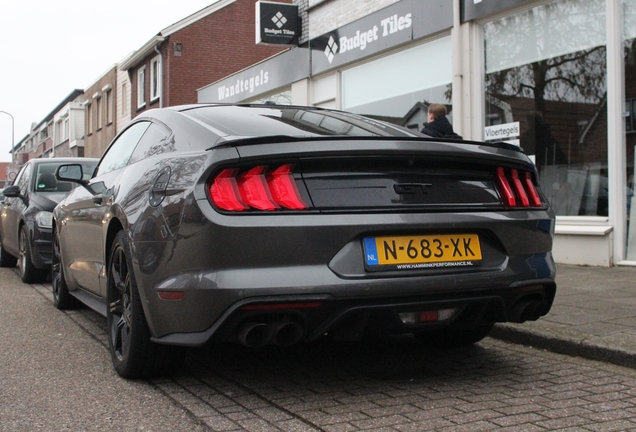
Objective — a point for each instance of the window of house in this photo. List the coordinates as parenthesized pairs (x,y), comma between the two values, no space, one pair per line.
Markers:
(141,87)
(545,68)
(98,113)
(124,99)
(399,88)
(108,106)
(58,132)
(65,130)
(89,118)
(155,78)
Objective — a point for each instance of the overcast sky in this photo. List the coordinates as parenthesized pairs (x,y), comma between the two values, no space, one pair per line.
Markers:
(52,47)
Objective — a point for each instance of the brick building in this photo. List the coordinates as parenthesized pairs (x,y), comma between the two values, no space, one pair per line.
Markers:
(100,113)
(60,133)
(202,48)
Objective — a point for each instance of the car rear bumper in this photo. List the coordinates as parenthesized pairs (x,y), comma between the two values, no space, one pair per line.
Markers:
(225,263)
(314,315)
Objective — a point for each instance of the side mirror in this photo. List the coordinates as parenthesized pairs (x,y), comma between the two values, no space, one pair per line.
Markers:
(70,172)
(12,191)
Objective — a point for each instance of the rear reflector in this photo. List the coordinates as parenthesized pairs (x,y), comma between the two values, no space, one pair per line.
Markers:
(257,188)
(171,295)
(517,189)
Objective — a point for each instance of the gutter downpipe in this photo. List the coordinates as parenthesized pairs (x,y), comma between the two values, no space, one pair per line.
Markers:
(160,72)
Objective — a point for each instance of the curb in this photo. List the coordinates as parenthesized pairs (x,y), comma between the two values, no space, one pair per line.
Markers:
(563,343)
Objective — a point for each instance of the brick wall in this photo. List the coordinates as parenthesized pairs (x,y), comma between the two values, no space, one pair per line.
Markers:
(211,49)
(97,139)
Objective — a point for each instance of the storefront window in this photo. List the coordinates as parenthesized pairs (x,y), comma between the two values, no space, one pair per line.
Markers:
(400,87)
(629,37)
(546,70)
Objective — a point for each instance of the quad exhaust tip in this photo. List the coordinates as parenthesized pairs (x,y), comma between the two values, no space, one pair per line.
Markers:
(258,334)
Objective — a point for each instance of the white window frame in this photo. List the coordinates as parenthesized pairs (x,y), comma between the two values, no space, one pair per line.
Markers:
(124,99)
(89,118)
(141,87)
(99,113)
(108,107)
(155,78)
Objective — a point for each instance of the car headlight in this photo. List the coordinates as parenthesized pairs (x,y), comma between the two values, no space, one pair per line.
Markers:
(44,219)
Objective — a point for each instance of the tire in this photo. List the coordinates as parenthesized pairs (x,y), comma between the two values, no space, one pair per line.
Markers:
(133,354)
(6,259)
(453,337)
(62,299)
(28,272)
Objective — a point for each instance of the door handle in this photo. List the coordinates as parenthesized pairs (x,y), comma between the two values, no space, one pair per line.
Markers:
(98,199)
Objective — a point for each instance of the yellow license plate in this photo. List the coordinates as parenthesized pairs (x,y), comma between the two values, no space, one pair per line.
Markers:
(419,251)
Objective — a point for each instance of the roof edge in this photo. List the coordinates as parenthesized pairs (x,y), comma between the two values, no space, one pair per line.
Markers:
(149,46)
(141,53)
(195,17)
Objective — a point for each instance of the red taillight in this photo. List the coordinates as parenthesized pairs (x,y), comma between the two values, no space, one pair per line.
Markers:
(254,190)
(532,190)
(236,190)
(521,193)
(517,188)
(505,189)
(284,189)
(225,193)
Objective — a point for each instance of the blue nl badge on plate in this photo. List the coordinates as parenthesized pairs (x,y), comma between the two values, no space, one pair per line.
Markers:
(370,251)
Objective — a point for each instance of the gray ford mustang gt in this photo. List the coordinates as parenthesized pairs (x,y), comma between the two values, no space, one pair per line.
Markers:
(265,224)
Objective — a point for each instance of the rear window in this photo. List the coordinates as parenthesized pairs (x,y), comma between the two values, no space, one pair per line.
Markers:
(237,122)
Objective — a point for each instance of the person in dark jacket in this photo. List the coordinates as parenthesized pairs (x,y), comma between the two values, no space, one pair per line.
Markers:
(438,125)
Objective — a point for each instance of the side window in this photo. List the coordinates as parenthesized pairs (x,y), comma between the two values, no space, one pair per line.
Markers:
(23,180)
(19,176)
(156,140)
(119,152)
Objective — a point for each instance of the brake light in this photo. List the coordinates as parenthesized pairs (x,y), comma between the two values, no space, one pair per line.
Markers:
(257,188)
(505,189)
(532,190)
(254,190)
(521,193)
(225,193)
(517,188)
(284,189)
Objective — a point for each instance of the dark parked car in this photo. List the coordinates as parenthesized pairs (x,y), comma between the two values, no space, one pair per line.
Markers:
(269,224)
(26,216)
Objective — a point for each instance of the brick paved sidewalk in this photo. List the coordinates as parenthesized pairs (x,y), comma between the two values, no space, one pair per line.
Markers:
(593,316)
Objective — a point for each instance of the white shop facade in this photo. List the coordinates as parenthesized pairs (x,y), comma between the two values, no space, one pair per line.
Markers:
(556,77)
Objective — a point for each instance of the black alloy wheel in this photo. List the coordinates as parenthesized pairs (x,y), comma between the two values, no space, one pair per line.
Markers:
(132,352)
(28,272)
(6,259)
(62,299)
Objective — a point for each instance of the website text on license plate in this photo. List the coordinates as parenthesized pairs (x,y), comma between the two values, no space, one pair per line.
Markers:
(397,250)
